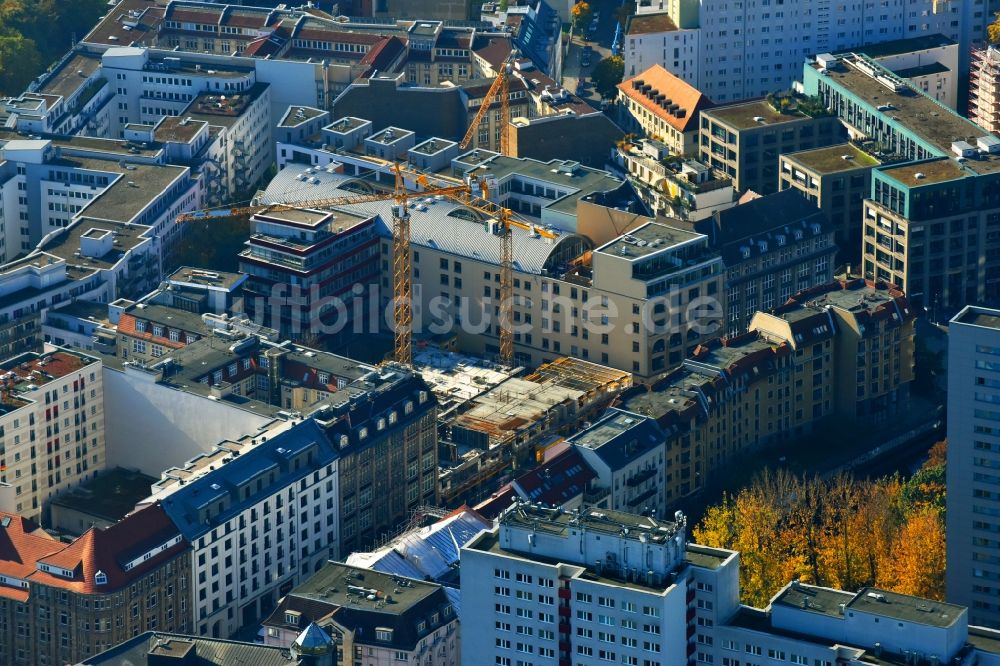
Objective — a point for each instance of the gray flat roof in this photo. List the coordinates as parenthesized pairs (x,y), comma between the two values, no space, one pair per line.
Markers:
(647,239)
(124,199)
(905,607)
(933,122)
(898,46)
(296,115)
(831,159)
(822,600)
(67,242)
(205,106)
(206,277)
(331,583)
(179,129)
(111,496)
(741,116)
(979,316)
(73,74)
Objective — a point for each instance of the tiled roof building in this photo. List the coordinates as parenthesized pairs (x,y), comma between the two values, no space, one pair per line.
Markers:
(61,603)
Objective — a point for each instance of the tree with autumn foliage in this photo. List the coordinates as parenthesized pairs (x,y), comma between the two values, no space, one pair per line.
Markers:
(993,30)
(581,13)
(840,532)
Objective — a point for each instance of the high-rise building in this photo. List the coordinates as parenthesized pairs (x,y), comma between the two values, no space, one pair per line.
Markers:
(594,586)
(736,51)
(984,88)
(588,587)
(973,574)
(51,427)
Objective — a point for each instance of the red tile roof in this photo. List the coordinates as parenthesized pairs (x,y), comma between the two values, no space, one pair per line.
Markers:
(656,81)
(126,326)
(22,543)
(109,550)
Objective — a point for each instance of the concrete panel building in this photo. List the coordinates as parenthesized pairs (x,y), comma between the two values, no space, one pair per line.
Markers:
(973,457)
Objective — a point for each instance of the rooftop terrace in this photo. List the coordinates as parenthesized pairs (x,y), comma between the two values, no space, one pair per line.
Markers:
(648,239)
(932,122)
(833,159)
(744,115)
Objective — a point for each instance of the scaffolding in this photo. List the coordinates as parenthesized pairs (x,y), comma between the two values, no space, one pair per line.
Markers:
(984,88)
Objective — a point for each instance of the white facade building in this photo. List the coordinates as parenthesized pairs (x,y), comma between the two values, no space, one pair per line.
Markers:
(734,50)
(261,515)
(51,427)
(973,574)
(591,587)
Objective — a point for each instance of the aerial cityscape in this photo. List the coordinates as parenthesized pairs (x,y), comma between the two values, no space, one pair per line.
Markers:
(499,333)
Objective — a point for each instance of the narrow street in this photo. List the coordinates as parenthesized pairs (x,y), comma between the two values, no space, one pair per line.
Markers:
(599,42)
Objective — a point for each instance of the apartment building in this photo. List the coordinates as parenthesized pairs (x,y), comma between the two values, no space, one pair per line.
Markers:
(663,107)
(626,453)
(64,602)
(773,246)
(928,61)
(590,586)
(52,427)
(744,141)
(414,620)
(685,190)
(743,51)
(260,517)
(652,38)
(172,315)
(48,184)
(837,179)
(384,427)
(872,328)
(593,586)
(844,350)
(931,221)
(303,266)
(984,94)
(973,454)
(29,287)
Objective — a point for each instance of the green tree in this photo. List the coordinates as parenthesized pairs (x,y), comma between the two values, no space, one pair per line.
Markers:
(582,14)
(20,62)
(608,74)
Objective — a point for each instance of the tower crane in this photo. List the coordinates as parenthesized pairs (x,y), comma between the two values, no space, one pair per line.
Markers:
(500,88)
(505,222)
(402,270)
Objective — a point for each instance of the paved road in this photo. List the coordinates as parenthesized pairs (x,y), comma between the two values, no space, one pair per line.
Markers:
(601,45)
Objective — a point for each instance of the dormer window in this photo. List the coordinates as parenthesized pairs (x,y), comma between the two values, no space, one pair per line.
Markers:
(393,417)
(140,326)
(158,331)
(383,634)
(381,424)
(363,433)
(421,627)
(292,618)
(101,578)
(175,336)
(408,408)
(324,378)
(422,397)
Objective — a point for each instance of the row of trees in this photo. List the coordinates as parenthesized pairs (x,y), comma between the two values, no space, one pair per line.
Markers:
(842,532)
(35,33)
